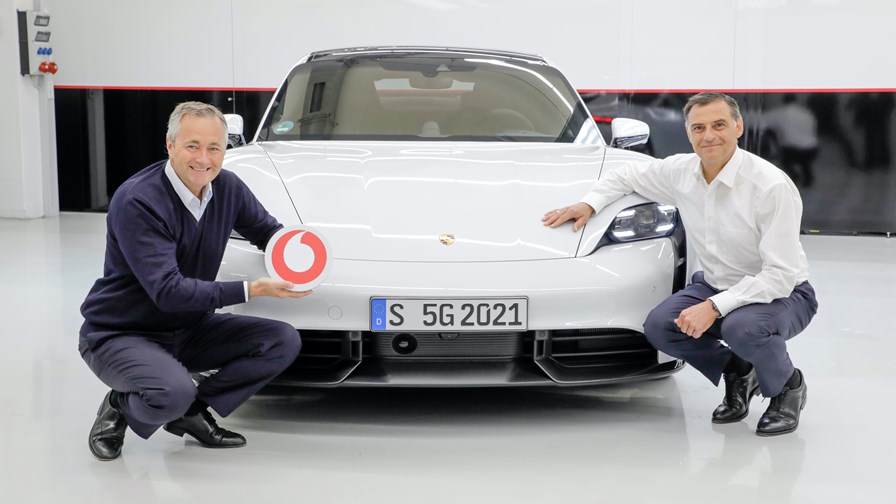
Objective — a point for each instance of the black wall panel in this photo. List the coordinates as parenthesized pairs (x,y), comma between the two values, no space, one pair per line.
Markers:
(73,156)
(135,125)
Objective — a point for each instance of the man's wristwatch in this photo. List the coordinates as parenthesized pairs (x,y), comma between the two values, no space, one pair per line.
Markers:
(714,307)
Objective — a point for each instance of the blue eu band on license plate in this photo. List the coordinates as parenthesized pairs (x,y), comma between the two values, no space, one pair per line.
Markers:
(377,314)
(414,314)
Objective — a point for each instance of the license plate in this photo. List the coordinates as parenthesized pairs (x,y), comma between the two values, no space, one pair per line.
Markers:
(414,314)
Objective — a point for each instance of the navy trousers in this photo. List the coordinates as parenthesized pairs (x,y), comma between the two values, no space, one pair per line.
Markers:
(154,369)
(756,333)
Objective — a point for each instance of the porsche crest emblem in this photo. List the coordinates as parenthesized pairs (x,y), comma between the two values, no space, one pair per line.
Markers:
(446,238)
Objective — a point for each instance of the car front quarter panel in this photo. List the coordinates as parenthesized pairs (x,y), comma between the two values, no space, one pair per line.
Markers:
(252,165)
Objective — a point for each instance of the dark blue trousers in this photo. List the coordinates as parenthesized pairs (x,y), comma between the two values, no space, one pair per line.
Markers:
(756,333)
(154,369)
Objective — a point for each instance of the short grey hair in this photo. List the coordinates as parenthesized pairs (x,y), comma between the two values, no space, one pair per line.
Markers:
(707,97)
(195,109)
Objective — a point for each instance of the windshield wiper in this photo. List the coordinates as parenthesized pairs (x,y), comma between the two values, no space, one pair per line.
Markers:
(506,137)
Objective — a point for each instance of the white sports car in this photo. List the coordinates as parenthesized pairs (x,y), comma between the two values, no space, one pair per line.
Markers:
(428,171)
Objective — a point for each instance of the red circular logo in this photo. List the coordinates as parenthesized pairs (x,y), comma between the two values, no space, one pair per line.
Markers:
(298,255)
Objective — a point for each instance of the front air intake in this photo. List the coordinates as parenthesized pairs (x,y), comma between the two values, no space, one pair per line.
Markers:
(580,355)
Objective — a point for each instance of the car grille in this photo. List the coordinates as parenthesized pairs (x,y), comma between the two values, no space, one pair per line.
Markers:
(564,356)
(597,347)
(491,345)
(587,355)
(321,349)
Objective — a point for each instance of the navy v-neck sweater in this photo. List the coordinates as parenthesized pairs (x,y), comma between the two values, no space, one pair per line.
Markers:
(160,265)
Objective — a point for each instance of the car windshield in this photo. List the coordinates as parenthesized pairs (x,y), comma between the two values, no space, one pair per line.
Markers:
(425,96)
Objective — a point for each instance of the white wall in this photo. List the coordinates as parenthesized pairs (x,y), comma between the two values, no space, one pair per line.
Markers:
(601,44)
(27,130)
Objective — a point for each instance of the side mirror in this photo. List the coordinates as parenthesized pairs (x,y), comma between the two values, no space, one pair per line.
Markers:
(235,136)
(628,132)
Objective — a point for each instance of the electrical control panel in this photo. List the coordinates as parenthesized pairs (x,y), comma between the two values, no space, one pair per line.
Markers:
(35,48)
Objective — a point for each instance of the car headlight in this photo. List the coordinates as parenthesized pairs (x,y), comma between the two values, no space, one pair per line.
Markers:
(643,221)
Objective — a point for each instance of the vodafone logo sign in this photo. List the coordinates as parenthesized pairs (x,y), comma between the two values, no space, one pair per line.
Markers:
(298,254)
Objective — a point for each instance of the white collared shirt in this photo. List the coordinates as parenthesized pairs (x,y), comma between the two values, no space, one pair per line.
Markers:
(194,205)
(744,226)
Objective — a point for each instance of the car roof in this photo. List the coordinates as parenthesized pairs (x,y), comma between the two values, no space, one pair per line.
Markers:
(417,50)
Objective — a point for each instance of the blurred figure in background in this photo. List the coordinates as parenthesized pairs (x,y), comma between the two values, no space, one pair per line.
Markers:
(827,106)
(872,116)
(796,130)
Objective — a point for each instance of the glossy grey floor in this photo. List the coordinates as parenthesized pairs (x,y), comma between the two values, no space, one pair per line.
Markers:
(639,443)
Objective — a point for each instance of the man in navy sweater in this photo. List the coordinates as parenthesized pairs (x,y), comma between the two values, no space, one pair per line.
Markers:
(150,320)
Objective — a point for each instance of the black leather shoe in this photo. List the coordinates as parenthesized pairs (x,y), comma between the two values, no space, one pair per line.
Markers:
(738,392)
(203,428)
(783,414)
(107,434)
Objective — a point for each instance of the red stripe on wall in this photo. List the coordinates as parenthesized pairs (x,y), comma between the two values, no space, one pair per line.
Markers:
(781,90)
(620,91)
(164,88)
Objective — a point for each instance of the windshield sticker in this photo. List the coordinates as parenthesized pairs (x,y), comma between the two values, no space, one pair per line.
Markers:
(283,127)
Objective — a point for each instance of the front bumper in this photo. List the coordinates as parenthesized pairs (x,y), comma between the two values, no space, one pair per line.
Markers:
(584,322)
(576,357)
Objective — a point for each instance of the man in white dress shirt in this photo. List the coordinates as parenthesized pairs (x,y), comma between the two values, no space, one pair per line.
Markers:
(742,216)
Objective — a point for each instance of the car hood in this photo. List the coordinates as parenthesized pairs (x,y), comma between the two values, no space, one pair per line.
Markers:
(397,201)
